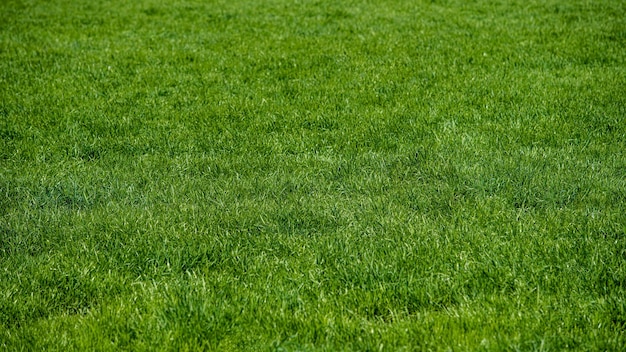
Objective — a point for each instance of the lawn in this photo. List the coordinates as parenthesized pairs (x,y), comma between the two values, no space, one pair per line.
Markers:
(312,175)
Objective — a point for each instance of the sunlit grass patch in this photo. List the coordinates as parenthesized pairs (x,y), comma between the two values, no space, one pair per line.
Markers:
(270,175)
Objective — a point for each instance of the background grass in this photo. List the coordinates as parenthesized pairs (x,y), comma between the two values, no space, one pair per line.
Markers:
(312,175)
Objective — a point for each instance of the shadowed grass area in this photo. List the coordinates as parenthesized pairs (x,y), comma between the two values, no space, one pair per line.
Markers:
(312,175)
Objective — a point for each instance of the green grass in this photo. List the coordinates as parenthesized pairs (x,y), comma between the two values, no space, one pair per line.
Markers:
(312,175)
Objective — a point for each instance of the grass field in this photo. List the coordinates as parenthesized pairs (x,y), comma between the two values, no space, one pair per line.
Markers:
(312,175)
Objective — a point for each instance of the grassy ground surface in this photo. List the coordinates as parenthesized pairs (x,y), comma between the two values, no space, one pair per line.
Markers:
(313,175)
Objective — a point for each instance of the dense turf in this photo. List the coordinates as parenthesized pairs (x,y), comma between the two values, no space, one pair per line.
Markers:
(313,175)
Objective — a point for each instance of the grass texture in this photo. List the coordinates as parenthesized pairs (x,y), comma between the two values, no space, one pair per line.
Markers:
(312,175)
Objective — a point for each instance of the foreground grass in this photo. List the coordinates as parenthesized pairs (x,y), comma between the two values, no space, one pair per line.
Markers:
(313,176)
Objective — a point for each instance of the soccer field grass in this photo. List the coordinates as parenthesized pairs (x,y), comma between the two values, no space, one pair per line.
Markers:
(312,175)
